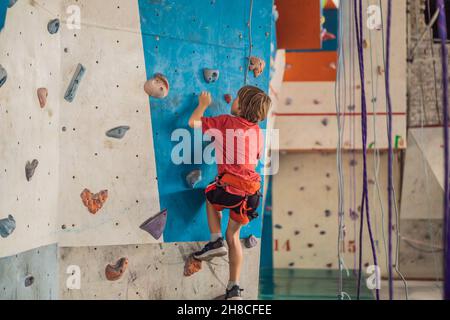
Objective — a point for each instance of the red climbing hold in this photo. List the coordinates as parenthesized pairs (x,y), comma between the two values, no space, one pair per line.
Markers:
(94,202)
(192,266)
(115,272)
(42,94)
(228,98)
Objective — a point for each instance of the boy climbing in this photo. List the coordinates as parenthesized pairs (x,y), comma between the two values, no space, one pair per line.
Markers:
(238,143)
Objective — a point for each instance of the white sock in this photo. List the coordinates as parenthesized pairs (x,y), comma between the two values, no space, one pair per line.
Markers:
(215,236)
(231,284)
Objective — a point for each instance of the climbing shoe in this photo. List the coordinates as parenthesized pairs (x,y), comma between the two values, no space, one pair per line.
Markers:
(212,250)
(234,293)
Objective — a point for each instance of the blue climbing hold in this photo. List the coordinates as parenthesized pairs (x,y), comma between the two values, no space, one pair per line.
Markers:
(74,83)
(118,132)
(3,75)
(7,226)
(211,75)
(53,26)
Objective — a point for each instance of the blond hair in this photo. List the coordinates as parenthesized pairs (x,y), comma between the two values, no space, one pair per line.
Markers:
(254,104)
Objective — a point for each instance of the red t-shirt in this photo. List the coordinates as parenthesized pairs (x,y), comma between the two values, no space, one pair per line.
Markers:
(238,144)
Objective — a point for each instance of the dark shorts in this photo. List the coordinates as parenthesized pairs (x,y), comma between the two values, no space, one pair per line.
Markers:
(220,199)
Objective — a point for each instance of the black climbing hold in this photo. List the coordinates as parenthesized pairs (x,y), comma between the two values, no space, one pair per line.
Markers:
(29,280)
(74,83)
(193,178)
(3,75)
(211,75)
(118,132)
(7,226)
(30,167)
(277,226)
(251,242)
(325,122)
(156,224)
(327,213)
(53,26)
(353,163)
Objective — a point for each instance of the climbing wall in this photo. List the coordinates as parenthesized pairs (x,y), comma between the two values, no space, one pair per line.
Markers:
(181,52)
(102,147)
(106,98)
(422,205)
(305,218)
(31,58)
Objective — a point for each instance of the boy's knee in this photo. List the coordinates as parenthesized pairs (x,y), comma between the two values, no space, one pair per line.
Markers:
(232,239)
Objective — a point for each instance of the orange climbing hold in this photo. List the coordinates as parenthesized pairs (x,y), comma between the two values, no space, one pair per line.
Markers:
(115,272)
(192,266)
(257,65)
(94,202)
(42,94)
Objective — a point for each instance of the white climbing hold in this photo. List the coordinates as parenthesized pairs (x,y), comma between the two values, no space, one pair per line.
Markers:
(251,242)
(157,87)
(211,75)
(193,178)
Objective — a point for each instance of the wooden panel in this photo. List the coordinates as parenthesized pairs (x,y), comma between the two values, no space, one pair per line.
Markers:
(298,25)
(311,66)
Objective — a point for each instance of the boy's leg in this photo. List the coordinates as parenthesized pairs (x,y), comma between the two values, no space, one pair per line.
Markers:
(235,256)
(214,221)
(216,246)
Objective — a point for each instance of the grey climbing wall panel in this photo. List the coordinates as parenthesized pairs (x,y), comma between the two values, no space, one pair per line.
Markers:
(155,271)
(39,266)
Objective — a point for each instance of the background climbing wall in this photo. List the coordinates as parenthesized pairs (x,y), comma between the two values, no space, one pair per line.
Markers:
(107,97)
(306,230)
(31,57)
(208,34)
(307,115)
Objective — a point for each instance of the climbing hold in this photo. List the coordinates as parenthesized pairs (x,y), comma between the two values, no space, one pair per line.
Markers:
(228,98)
(251,242)
(29,280)
(327,36)
(192,266)
(211,75)
(257,65)
(325,122)
(157,87)
(316,102)
(327,213)
(193,178)
(353,215)
(11,3)
(288,101)
(115,272)
(42,94)
(94,202)
(30,167)
(156,224)
(118,132)
(74,83)
(353,163)
(7,226)
(53,26)
(3,75)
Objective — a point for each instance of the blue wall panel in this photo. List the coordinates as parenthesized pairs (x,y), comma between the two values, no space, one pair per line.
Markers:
(3,8)
(181,38)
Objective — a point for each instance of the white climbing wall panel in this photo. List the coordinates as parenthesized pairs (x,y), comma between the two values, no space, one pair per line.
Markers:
(109,45)
(31,57)
(307,112)
(305,218)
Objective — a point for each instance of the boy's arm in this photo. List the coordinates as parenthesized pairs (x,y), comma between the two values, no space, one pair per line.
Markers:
(204,100)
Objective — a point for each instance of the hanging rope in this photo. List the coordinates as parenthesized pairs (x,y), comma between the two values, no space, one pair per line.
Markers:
(250,41)
(442,26)
(390,148)
(365,198)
